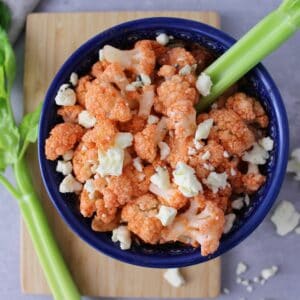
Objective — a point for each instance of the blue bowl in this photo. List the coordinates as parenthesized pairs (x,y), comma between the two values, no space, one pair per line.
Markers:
(259,84)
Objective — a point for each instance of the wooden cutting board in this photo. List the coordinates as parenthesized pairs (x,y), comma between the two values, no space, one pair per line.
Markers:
(50,39)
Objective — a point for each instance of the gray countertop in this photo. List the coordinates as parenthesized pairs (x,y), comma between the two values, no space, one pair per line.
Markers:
(263,248)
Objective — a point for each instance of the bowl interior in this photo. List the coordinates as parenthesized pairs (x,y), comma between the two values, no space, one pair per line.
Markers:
(259,84)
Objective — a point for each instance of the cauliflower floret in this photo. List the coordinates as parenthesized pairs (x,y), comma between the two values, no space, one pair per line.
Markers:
(141,218)
(146,101)
(139,180)
(87,206)
(182,119)
(102,135)
(253,180)
(139,60)
(121,186)
(248,109)
(114,74)
(178,57)
(146,141)
(100,226)
(204,228)
(63,137)
(81,89)
(177,88)
(84,158)
(166,71)
(70,113)
(135,125)
(231,130)
(103,99)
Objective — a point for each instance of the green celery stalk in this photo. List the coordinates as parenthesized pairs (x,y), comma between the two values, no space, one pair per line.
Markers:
(260,41)
(14,141)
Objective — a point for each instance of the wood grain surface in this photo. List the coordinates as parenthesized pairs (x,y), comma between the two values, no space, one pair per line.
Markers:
(50,39)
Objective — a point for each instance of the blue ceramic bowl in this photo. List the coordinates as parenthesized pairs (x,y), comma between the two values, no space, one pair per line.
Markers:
(259,84)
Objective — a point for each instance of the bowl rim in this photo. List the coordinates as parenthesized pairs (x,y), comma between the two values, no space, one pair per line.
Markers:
(258,215)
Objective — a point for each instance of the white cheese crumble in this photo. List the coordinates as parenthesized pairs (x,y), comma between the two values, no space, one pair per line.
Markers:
(208,167)
(146,80)
(226,291)
(203,129)
(192,151)
(216,181)
(101,55)
(197,144)
(247,200)
(137,163)
(111,162)
(285,218)
(174,277)
(232,172)
(164,150)
(162,39)
(161,178)
(90,188)
(204,84)
(64,167)
(70,185)
(86,120)
(267,143)
(249,288)
(294,164)
(269,272)
(166,215)
(130,87)
(152,119)
(123,140)
(206,155)
(68,155)
(65,96)
(229,220)
(257,155)
(187,69)
(237,203)
(225,154)
(122,235)
(74,79)
(188,184)
(241,268)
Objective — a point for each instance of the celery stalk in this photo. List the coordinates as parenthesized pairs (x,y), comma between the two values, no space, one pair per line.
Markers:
(55,270)
(260,41)
(14,141)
